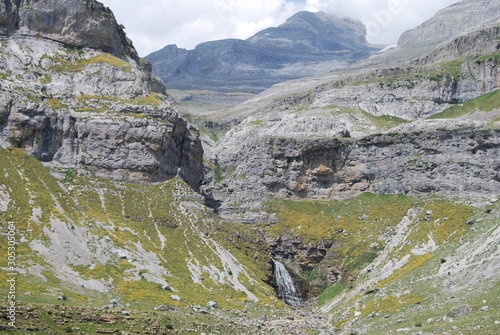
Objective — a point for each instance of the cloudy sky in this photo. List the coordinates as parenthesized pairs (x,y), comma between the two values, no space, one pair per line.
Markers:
(153,24)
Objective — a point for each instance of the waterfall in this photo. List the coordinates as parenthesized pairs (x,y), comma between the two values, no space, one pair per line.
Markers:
(287,290)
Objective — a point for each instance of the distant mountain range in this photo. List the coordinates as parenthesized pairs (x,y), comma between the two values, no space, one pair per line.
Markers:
(306,44)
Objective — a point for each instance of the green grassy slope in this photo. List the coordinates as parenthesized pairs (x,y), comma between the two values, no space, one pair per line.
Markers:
(92,239)
(405,262)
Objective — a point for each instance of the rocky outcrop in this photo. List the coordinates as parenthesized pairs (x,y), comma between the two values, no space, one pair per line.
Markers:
(451,21)
(412,92)
(306,44)
(293,248)
(148,149)
(78,23)
(406,163)
(76,95)
(467,45)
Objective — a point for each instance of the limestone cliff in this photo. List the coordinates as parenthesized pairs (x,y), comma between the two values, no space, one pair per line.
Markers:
(79,23)
(74,92)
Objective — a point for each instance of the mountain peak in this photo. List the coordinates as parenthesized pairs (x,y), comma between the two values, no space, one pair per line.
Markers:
(319,17)
(314,31)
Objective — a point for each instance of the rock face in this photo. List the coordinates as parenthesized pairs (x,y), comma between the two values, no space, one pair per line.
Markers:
(313,33)
(472,44)
(451,21)
(452,160)
(306,44)
(79,23)
(76,94)
(305,255)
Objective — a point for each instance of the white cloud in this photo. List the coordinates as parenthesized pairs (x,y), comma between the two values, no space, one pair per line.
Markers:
(152,24)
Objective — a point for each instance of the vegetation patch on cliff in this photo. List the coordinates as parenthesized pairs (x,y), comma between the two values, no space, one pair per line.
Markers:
(484,103)
(76,62)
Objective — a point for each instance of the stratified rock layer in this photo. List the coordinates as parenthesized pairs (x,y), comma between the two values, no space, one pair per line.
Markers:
(79,23)
(74,92)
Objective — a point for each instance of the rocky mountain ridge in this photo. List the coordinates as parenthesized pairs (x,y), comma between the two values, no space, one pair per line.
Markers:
(306,44)
(451,21)
(317,140)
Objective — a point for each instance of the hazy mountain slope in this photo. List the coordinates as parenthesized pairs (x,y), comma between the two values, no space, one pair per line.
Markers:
(451,21)
(307,43)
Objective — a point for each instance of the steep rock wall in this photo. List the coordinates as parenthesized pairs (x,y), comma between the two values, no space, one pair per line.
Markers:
(447,158)
(77,96)
(148,149)
(80,23)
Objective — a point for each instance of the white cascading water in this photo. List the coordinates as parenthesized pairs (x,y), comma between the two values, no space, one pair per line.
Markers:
(287,290)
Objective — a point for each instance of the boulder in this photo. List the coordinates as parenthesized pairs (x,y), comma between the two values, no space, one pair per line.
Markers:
(166,287)
(461,310)
(114,303)
(212,305)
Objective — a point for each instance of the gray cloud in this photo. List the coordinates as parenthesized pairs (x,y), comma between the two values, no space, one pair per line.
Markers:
(152,24)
